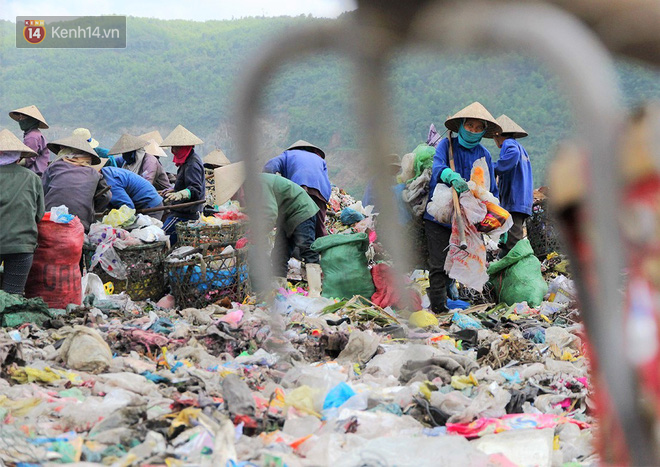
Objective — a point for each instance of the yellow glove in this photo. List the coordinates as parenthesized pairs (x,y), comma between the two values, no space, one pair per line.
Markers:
(178,195)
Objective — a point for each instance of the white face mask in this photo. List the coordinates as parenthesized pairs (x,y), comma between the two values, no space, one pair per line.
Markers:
(9,157)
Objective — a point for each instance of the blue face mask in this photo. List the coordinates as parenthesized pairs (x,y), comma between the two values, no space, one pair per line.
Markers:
(467,139)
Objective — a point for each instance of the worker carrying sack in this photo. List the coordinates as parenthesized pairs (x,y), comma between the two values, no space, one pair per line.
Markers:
(55,274)
(344,265)
(517,277)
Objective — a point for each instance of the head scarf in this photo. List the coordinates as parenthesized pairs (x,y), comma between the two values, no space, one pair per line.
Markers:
(133,160)
(181,154)
(28,123)
(9,157)
(467,139)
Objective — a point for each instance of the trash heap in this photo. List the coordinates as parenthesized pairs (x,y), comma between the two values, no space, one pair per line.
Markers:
(301,381)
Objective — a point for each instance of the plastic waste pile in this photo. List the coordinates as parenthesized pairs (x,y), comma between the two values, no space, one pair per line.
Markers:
(346,215)
(303,381)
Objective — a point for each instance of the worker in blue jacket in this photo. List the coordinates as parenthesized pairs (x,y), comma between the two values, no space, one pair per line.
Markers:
(515,179)
(470,124)
(304,164)
(131,190)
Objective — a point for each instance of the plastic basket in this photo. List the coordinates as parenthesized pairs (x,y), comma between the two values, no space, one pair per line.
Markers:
(144,265)
(194,234)
(208,277)
(542,231)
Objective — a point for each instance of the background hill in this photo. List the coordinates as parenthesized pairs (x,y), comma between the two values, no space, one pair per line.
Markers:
(185,72)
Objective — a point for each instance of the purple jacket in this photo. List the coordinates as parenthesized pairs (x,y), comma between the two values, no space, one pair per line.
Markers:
(302,167)
(36,141)
(153,171)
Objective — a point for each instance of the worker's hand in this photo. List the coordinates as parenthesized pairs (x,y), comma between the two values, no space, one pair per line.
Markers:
(455,180)
(178,195)
(460,185)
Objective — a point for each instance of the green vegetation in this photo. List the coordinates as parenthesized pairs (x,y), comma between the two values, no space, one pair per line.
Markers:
(186,72)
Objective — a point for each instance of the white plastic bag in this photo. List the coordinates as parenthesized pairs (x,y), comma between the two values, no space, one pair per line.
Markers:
(467,266)
(150,234)
(441,205)
(92,284)
(474,209)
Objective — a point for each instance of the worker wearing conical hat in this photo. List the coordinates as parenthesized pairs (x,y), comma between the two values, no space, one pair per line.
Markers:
(21,208)
(190,184)
(515,179)
(470,124)
(304,163)
(133,151)
(71,180)
(31,121)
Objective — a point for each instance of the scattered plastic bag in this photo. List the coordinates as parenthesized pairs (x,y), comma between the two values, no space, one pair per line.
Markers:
(441,206)
(60,214)
(122,217)
(85,350)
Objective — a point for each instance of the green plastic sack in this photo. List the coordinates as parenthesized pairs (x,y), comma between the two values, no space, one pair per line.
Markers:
(517,277)
(344,265)
(423,158)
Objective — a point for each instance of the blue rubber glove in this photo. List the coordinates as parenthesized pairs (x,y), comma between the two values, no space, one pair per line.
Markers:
(455,180)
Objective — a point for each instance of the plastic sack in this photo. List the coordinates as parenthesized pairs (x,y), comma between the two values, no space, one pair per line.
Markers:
(467,266)
(85,350)
(441,206)
(407,167)
(55,274)
(517,277)
(388,291)
(110,261)
(124,216)
(344,265)
(480,174)
(423,158)
(473,208)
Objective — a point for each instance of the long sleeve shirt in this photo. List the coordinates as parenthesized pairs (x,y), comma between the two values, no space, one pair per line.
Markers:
(21,209)
(463,161)
(152,171)
(79,188)
(130,189)
(286,204)
(304,168)
(191,176)
(36,141)
(516,182)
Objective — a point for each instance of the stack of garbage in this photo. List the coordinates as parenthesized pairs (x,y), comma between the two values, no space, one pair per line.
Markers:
(301,381)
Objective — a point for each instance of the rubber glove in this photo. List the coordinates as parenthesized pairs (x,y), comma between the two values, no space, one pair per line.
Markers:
(454,179)
(178,195)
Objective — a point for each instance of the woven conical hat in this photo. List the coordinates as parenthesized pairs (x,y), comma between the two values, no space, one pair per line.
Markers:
(9,142)
(155,135)
(216,158)
(85,133)
(510,128)
(301,144)
(180,137)
(75,142)
(474,110)
(153,149)
(228,181)
(127,143)
(30,111)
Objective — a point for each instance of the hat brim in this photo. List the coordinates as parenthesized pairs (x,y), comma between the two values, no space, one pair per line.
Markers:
(492,127)
(42,125)
(56,148)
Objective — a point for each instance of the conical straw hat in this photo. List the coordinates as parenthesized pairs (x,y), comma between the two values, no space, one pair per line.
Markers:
(474,110)
(30,111)
(75,142)
(153,149)
(228,181)
(155,135)
(180,137)
(216,158)
(127,143)
(301,144)
(510,128)
(100,165)
(85,133)
(9,142)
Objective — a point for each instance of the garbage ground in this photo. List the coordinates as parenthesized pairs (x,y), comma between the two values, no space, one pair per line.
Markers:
(307,381)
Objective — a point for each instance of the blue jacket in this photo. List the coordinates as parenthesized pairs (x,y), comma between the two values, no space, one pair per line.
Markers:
(463,161)
(302,167)
(130,189)
(516,182)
